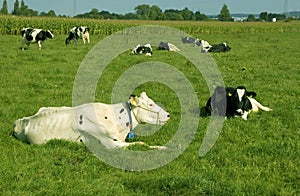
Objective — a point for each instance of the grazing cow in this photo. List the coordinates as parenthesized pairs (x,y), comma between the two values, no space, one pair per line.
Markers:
(196,42)
(31,35)
(167,46)
(223,47)
(80,32)
(233,102)
(109,123)
(142,49)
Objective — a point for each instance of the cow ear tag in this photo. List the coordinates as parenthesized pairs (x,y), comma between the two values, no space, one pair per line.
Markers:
(133,101)
(131,135)
(229,94)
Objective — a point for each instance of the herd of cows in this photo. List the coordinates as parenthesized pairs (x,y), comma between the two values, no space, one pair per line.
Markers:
(111,124)
(33,35)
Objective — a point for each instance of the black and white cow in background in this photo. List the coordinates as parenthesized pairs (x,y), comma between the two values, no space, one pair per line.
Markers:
(223,47)
(142,49)
(197,42)
(231,102)
(32,35)
(168,46)
(80,32)
(110,124)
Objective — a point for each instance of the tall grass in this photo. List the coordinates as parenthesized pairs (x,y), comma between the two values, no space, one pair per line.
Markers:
(12,25)
(257,157)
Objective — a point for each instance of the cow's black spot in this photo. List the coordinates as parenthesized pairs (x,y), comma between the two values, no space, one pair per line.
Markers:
(127,124)
(105,117)
(80,119)
(122,110)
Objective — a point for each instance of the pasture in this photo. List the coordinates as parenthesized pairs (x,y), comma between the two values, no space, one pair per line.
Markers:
(255,157)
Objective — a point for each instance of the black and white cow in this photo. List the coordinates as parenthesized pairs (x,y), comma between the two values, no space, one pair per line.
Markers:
(168,46)
(80,32)
(142,49)
(223,47)
(231,102)
(110,124)
(197,42)
(32,35)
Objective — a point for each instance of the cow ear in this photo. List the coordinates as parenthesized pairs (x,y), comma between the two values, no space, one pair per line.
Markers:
(143,94)
(251,94)
(133,100)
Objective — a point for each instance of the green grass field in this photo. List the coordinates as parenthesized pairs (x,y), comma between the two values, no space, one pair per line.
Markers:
(255,157)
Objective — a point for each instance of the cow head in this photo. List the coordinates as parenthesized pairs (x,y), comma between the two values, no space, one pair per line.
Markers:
(146,110)
(239,100)
(49,34)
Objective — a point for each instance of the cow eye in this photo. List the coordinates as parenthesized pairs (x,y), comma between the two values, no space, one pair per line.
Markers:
(150,104)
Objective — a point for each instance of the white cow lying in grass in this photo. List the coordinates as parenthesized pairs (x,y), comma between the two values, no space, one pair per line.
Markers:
(110,124)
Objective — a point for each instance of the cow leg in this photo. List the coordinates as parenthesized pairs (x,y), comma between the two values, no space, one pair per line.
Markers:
(23,44)
(40,45)
(245,115)
(256,106)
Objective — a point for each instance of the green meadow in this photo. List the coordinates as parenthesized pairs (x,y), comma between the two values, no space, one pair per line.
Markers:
(255,157)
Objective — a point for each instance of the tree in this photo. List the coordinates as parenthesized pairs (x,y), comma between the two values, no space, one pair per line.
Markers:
(187,14)
(199,16)
(51,13)
(263,16)
(225,14)
(155,13)
(143,11)
(4,9)
(23,9)
(16,10)
(172,14)
(251,18)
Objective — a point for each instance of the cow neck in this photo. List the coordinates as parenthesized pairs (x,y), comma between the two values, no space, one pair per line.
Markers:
(133,122)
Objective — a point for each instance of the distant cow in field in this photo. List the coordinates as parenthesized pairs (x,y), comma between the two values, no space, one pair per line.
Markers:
(231,102)
(80,32)
(32,35)
(110,124)
(167,46)
(223,47)
(196,42)
(142,49)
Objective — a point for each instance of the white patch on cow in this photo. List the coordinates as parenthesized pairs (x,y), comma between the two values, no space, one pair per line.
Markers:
(109,123)
(172,47)
(241,93)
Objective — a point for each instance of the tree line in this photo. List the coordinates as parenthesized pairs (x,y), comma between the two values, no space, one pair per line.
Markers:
(21,9)
(142,12)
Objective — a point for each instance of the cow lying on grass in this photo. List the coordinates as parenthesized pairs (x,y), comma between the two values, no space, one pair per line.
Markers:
(110,124)
(142,49)
(233,102)
(31,35)
(81,32)
(197,42)
(168,46)
(223,47)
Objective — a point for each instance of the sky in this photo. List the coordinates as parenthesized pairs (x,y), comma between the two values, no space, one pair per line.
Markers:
(208,7)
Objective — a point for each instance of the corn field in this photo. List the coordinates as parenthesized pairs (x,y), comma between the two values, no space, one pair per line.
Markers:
(12,25)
